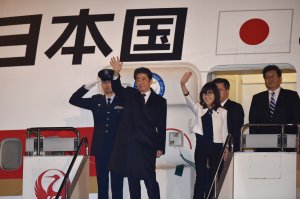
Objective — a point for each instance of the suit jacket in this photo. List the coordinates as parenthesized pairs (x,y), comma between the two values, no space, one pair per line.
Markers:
(106,119)
(287,111)
(235,121)
(142,132)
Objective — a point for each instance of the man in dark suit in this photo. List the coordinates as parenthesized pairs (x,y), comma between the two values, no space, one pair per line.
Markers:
(142,132)
(274,106)
(235,112)
(107,111)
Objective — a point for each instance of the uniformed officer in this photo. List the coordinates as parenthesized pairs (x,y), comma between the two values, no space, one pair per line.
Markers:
(107,111)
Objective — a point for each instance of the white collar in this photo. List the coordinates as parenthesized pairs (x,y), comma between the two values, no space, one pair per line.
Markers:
(276,92)
(111,97)
(222,104)
(147,95)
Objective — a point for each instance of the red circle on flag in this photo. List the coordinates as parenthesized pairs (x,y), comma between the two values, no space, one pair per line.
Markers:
(254,31)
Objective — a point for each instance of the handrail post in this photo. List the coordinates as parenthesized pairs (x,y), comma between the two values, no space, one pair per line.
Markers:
(28,136)
(241,136)
(38,143)
(298,139)
(282,137)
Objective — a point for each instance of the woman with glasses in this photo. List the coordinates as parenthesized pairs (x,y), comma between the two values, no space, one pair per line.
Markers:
(210,128)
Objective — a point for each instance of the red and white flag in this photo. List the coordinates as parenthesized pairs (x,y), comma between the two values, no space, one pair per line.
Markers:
(254,31)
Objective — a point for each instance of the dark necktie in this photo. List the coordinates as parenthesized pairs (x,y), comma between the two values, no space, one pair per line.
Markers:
(272,103)
(108,101)
(144,95)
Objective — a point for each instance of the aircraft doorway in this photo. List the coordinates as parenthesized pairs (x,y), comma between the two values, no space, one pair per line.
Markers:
(245,81)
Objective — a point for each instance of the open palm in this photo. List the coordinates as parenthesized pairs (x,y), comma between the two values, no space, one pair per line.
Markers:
(116,64)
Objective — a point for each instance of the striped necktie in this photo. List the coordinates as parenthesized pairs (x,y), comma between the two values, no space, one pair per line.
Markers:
(272,104)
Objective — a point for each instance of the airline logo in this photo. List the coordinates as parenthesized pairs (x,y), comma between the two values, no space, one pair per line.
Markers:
(48,183)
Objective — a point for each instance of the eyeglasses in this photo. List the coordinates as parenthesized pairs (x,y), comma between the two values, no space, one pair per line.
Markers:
(270,76)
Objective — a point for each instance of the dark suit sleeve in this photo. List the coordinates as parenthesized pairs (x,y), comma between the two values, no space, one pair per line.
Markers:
(253,110)
(239,114)
(238,121)
(78,100)
(253,114)
(117,87)
(296,108)
(161,127)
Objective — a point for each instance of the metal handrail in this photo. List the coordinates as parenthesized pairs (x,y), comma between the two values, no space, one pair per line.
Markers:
(216,182)
(245,126)
(65,180)
(36,131)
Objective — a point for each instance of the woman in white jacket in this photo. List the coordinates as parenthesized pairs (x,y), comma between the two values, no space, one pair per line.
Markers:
(210,128)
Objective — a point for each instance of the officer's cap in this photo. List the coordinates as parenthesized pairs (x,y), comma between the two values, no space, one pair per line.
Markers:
(106,74)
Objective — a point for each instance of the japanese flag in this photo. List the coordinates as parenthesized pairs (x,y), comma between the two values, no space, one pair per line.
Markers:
(254,31)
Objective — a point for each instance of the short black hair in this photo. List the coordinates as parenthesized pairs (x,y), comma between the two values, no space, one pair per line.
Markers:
(142,70)
(223,81)
(271,67)
(210,86)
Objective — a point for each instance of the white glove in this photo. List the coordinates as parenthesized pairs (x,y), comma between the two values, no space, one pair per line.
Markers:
(90,85)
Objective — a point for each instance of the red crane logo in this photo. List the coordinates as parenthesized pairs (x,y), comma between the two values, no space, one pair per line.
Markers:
(48,183)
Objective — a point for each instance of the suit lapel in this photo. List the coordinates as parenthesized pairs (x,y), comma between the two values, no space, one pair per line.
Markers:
(227,104)
(279,101)
(263,105)
(151,98)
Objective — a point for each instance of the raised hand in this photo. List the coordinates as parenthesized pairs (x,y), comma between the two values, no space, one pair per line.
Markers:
(185,78)
(116,65)
(159,153)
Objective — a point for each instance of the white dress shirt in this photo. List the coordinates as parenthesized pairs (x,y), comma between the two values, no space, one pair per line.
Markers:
(277,91)
(147,95)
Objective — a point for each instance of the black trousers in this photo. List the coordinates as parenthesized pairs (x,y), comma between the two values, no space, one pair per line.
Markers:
(103,180)
(205,152)
(151,186)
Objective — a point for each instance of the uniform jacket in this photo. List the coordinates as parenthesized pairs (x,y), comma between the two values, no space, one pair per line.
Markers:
(287,110)
(219,119)
(142,132)
(106,118)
